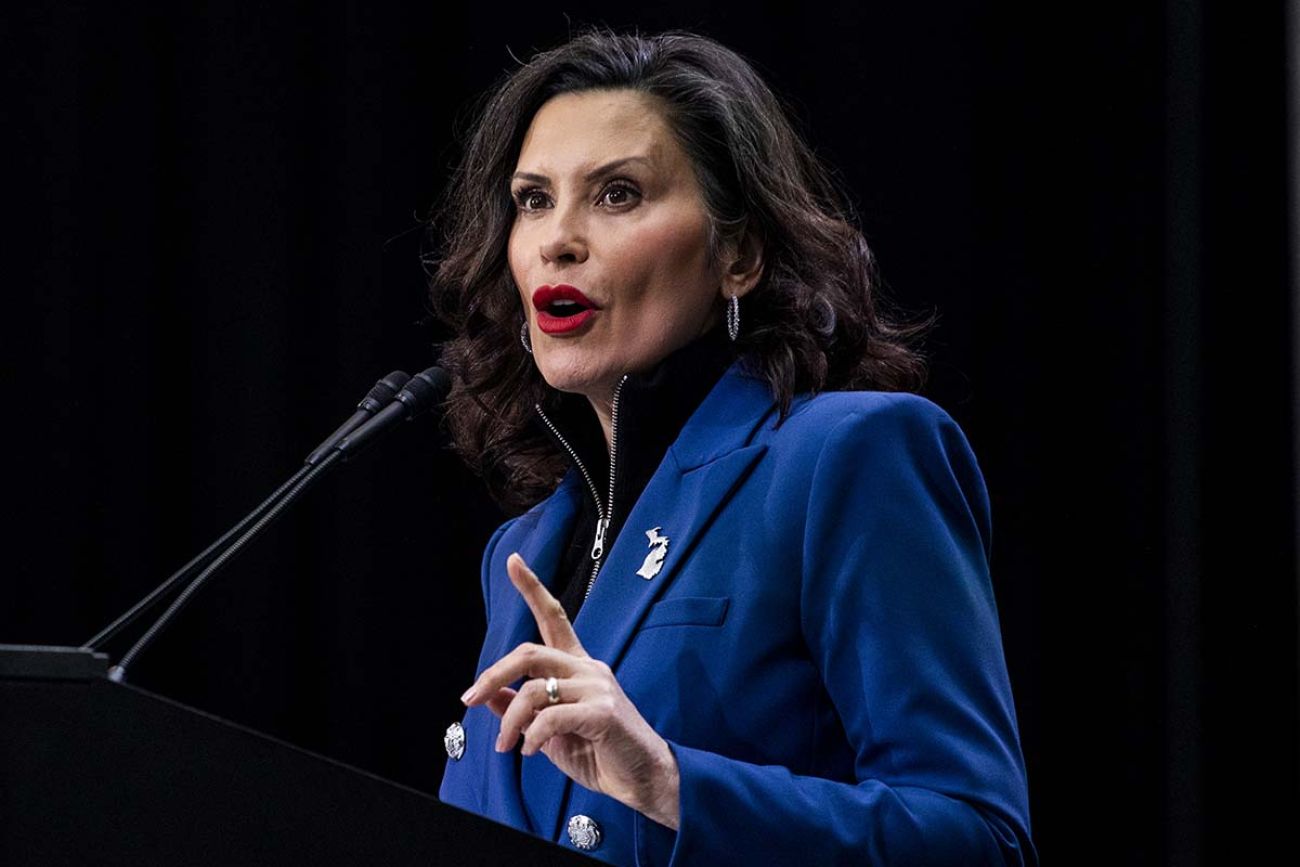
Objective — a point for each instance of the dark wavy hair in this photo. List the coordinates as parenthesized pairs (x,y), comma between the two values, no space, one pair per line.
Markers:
(813,322)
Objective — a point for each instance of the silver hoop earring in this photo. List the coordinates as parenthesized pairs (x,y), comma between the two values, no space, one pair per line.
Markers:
(733,317)
(523,338)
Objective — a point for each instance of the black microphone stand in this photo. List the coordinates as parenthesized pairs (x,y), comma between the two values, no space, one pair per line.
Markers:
(420,393)
(304,478)
(191,567)
(383,393)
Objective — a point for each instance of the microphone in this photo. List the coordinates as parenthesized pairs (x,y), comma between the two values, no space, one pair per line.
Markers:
(380,395)
(376,399)
(420,393)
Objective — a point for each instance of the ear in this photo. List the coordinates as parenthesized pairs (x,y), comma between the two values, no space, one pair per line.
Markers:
(742,265)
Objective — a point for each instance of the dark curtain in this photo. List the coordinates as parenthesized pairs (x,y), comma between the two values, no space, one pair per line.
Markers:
(212,240)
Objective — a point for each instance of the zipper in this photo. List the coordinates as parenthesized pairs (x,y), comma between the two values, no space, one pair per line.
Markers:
(604,509)
(602,526)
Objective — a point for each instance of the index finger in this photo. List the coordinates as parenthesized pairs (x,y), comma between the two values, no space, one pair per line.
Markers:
(554,624)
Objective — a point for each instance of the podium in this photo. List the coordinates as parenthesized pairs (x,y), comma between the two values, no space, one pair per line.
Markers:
(103,773)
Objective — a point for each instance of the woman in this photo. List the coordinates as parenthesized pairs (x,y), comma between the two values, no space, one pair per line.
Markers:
(747,616)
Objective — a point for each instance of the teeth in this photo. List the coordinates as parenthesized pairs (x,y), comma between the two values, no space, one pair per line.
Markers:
(564,308)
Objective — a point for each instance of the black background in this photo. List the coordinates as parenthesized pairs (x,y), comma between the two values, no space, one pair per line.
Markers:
(211,250)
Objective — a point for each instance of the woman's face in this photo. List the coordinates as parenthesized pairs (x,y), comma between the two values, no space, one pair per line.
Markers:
(610,244)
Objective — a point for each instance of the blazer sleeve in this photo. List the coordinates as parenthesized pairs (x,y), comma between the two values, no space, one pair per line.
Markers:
(898,613)
(485,569)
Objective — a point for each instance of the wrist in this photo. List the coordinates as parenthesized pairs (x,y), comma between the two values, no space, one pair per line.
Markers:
(664,802)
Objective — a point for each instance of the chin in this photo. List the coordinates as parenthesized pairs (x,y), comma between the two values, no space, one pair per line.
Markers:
(569,374)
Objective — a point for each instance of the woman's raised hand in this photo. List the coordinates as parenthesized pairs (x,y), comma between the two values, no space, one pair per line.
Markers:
(573,710)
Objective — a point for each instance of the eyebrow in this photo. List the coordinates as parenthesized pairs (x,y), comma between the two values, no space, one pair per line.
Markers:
(595,174)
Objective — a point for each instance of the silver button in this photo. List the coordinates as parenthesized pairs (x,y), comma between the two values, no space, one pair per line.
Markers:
(584,832)
(454,741)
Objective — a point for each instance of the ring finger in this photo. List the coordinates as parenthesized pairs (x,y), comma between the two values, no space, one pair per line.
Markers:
(532,697)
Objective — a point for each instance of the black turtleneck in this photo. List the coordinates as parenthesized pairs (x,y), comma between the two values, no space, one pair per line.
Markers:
(652,409)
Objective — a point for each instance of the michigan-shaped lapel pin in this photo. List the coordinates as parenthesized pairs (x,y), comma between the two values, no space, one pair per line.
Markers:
(654,561)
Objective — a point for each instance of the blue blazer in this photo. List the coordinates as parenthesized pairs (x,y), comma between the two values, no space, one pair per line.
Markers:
(820,647)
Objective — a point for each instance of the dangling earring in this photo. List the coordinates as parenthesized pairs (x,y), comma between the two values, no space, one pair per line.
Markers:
(523,338)
(733,317)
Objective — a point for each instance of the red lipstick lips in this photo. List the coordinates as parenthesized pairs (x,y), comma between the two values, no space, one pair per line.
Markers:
(562,308)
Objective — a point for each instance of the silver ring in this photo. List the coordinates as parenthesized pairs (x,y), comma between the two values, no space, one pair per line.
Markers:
(552,690)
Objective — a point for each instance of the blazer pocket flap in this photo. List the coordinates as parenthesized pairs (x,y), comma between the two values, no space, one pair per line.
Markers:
(688,611)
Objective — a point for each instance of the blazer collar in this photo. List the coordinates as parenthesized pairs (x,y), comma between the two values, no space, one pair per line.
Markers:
(727,420)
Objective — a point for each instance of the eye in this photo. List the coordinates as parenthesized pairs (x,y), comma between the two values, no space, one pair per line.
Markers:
(531,199)
(619,194)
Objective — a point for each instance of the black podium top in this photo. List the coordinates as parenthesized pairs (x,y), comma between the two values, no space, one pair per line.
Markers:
(96,772)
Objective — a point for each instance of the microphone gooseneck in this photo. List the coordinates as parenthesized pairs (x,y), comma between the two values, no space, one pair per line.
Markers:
(380,395)
(397,394)
(181,574)
(118,672)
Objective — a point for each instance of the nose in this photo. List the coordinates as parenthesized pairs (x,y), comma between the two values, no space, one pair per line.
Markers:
(567,239)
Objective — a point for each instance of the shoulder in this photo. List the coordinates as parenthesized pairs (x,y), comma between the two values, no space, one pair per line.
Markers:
(883,408)
(869,423)
(873,448)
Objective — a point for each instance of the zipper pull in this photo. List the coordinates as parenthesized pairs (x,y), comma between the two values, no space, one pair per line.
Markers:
(598,547)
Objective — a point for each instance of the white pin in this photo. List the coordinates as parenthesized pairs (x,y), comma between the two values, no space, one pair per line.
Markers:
(654,561)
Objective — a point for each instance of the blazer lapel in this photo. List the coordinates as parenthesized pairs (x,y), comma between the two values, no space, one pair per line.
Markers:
(698,475)
(681,503)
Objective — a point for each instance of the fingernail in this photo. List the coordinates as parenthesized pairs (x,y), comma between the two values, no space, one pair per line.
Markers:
(467,695)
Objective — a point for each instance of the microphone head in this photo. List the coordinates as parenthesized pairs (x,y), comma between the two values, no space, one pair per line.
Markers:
(383,392)
(424,390)
(394,381)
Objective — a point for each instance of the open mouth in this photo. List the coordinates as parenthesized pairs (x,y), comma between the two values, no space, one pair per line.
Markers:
(565,309)
(562,308)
